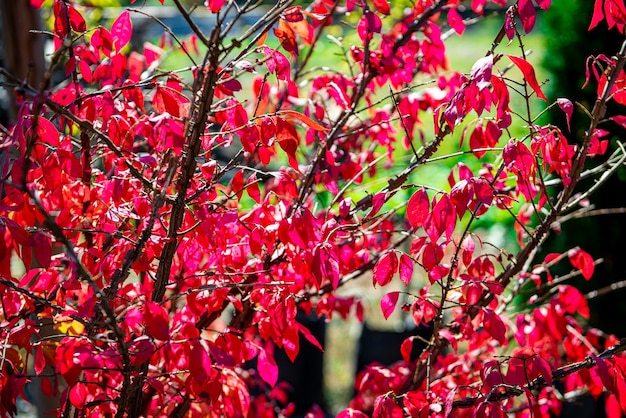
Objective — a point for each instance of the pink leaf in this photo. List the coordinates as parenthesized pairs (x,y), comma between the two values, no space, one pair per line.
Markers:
(121,30)
(388,303)
(481,71)
(582,261)
(385,268)
(268,370)
(568,108)
(417,208)
(406,269)
(529,75)
(456,21)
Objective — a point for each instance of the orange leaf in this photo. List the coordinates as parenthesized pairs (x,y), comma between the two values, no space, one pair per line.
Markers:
(304,119)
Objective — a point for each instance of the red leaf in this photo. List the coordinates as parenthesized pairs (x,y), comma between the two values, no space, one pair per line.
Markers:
(310,337)
(277,63)
(76,20)
(417,208)
(168,100)
(287,37)
(291,343)
(568,108)
(494,326)
(527,14)
(386,407)
(468,246)
(385,268)
(582,261)
(443,218)
(122,30)
(382,6)
(199,363)
(43,249)
(388,303)
(456,21)
(406,269)
(215,5)
(529,75)
(603,372)
(78,395)
(377,203)
(370,23)
(612,407)
(253,188)
(156,321)
(19,234)
(544,369)
(236,184)
(40,360)
(598,14)
(287,138)
(268,370)
(325,265)
(406,348)
(101,40)
(351,413)
(60,19)
(47,132)
(620,389)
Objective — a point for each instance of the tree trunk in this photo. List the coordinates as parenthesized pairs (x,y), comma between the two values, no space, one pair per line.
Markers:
(23,50)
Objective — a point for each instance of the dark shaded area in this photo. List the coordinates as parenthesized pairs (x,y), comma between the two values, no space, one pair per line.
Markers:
(305,375)
(384,346)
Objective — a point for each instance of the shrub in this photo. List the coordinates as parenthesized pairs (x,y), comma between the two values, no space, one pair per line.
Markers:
(158,276)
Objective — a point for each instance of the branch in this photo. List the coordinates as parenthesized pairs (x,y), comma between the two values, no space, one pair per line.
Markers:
(512,391)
